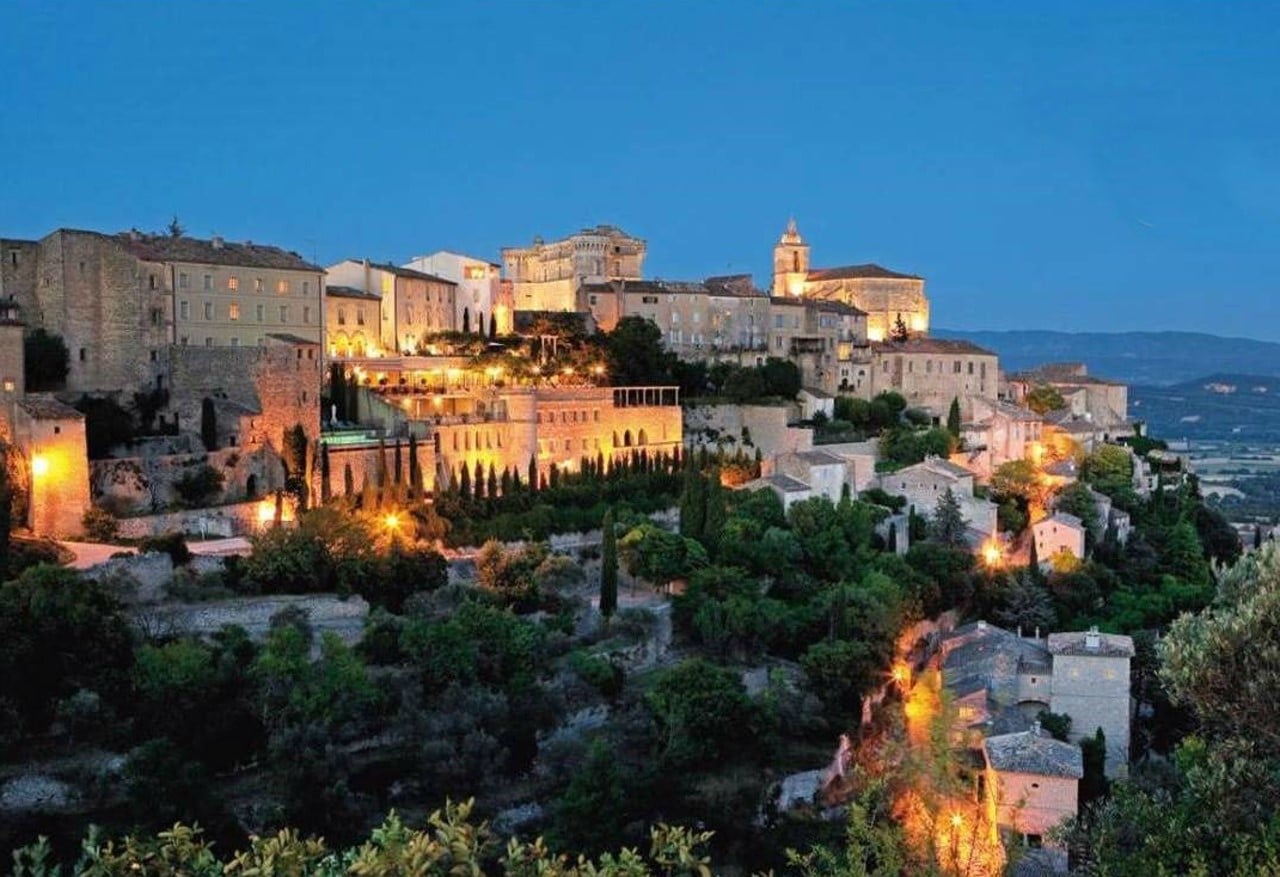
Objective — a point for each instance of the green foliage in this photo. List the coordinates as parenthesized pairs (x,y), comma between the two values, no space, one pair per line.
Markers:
(46,361)
(636,354)
(953,418)
(660,556)
(100,525)
(702,712)
(1058,725)
(1109,469)
(173,544)
(61,634)
(106,425)
(906,446)
(948,525)
(841,672)
(208,424)
(1045,398)
(1076,499)
(609,567)
(198,486)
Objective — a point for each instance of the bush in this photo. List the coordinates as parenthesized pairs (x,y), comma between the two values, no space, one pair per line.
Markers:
(197,487)
(172,544)
(100,525)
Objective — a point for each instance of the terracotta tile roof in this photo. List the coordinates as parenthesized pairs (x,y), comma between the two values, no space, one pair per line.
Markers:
(216,251)
(350,292)
(41,407)
(859,272)
(1034,753)
(405,272)
(1076,642)
(932,345)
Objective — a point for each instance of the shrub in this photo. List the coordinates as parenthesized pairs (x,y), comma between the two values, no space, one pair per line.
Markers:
(197,487)
(172,544)
(100,525)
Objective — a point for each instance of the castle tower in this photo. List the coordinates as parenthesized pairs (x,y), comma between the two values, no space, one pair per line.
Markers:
(790,262)
(11,366)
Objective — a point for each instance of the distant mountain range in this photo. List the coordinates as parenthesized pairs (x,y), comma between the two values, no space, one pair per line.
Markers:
(1150,358)
(1234,408)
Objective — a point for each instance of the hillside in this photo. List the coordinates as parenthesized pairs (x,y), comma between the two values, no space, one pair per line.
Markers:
(1150,358)
(1222,407)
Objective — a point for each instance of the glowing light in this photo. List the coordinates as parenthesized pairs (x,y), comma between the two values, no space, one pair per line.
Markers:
(956,820)
(39,465)
(992,555)
(391,521)
(875,334)
(901,673)
(266,511)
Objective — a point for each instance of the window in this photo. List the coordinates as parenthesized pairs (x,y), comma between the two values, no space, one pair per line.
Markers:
(956,367)
(260,313)
(257,284)
(235,342)
(970,368)
(208,342)
(183,281)
(184,310)
(777,321)
(306,287)
(359,315)
(233,283)
(342,316)
(208,281)
(649,299)
(592,299)
(233,311)
(284,313)
(282,286)
(9,385)
(184,340)
(208,310)
(306,314)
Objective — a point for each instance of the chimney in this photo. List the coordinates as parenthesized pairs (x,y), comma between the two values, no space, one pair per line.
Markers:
(216,242)
(982,626)
(1092,640)
(1035,728)
(1037,631)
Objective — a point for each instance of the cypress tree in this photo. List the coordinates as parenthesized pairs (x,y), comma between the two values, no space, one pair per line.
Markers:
(608,567)
(348,481)
(479,480)
(493,326)
(515,479)
(693,503)
(1257,537)
(553,476)
(505,481)
(491,486)
(892,545)
(953,418)
(480,323)
(466,321)
(208,424)
(415,470)
(533,472)
(398,460)
(325,492)
(353,402)
(464,481)
(716,513)
(338,390)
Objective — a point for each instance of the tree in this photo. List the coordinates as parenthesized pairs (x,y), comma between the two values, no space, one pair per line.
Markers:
(635,353)
(900,331)
(608,566)
(1109,469)
(533,473)
(338,390)
(6,513)
(198,486)
(493,326)
(953,418)
(175,228)
(716,511)
(326,492)
(1025,603)
(693,502)
(659,556)
(397,463)
(1045,398)
(1224,662)
(415,469)
(948,525)
(295,462)
(840,673)
(466,321)
(208,424)
(701,710)
(46,361)
(1077,499)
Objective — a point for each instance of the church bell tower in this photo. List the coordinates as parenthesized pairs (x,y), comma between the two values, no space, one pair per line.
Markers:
(790,262)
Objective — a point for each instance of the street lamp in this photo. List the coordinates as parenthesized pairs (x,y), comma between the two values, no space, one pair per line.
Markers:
(39,465)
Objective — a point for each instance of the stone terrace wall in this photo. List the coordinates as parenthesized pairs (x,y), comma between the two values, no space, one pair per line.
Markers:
(227,520)
(142,485)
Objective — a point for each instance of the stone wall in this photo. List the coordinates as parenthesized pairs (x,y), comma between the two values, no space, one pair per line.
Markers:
(145,484)
(235,519)
(766,428)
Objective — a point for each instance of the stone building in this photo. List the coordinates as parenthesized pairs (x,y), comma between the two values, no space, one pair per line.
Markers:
(999,432)
(480,293)
(681,311)
(352,322)
(50,437)
(827,340)
(118,300)
(547,276)
(888,298)
(12,365)
(1033,783)
(1057,533)
(1091,684)
(1098,401)
(930,372)
(413,304)
(925,483)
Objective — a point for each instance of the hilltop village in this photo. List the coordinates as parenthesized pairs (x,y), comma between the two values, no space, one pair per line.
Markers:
(375,517)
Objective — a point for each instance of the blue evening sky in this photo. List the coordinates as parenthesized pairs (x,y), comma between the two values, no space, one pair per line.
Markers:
(1079,166)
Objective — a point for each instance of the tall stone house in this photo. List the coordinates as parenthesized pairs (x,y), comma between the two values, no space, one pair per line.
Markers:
(412,306)
(546,276)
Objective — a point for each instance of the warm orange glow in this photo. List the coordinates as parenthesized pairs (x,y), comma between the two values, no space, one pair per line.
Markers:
(391,521)
(266,511)
(39,465)
(992,554)
(956,820)
(875,334)
(901,674)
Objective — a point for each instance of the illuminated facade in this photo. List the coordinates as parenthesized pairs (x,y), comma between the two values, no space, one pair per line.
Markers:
(413,304)
(885,296)
(930,372)
(480,294)
(51,437)
(547,276)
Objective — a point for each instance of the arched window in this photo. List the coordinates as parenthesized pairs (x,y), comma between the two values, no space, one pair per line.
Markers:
(626,439)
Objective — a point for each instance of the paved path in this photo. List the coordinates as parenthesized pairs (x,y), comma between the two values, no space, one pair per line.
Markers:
(90,554)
